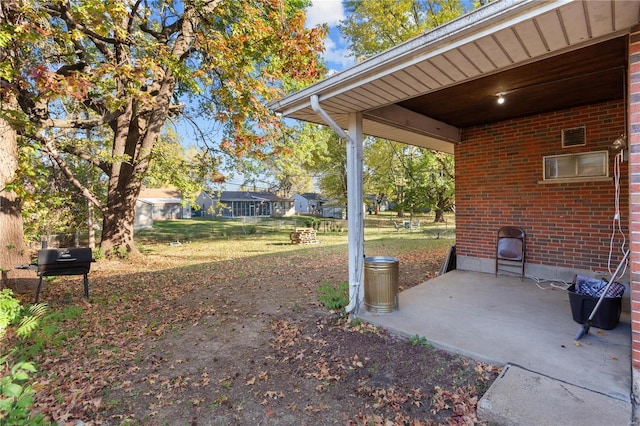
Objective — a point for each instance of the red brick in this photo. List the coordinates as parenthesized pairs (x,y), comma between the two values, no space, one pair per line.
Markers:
(502,166)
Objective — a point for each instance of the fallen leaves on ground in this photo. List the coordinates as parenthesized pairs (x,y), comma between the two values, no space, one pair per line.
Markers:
(221,334)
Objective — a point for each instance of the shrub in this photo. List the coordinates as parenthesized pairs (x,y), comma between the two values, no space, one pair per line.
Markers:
(419,341)
(16,395)
(334,297)
(97,253)
(313,222)
(10,309)
(16,385)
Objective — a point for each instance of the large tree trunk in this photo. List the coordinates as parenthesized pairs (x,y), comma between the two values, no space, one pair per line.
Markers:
(443,204)
(439,216)
(13,249)
(117,236)
(134,138)
(90,225)
(118,220)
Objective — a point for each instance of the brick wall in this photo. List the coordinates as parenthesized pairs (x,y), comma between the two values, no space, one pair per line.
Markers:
(498,175)
(634,189)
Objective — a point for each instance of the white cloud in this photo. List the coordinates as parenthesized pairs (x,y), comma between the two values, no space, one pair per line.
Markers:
(336,57)
(328,12)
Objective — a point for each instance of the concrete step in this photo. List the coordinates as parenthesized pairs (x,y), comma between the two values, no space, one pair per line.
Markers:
(522,397)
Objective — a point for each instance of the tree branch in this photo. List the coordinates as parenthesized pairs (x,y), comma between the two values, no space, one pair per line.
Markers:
(77,123)
(99,41)
(66,70)
(134,11)
(443,164)
(102,165)
(51,150)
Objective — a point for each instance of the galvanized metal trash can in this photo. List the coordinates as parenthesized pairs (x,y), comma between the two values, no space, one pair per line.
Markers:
(381,283)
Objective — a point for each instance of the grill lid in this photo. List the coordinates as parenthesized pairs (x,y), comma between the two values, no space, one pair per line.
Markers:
(64,258)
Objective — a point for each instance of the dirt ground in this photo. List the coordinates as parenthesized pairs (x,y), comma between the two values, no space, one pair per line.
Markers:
(244,344)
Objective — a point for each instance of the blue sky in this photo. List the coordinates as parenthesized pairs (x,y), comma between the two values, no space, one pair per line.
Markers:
(330,12)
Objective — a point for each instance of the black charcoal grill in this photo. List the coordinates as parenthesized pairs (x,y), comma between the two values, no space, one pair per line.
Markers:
(64,261)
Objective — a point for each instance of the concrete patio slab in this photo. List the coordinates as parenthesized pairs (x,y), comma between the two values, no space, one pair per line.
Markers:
(503,320)
(521,397)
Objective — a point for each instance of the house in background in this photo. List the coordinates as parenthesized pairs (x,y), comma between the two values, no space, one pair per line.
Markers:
(231,204)
(206,202)
(143,215)
(159,204)
(334,209)
(377,203)
(308,203)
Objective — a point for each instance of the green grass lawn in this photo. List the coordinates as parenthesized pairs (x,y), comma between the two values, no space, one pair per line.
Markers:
(190,230)
(235,238)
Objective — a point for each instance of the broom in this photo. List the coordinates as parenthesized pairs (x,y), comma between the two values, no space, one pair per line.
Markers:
(585,328)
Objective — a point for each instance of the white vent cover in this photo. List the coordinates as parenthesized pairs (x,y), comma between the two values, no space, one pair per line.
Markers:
(574,137)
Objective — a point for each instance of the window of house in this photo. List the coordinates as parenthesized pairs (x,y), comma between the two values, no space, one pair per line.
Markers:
(582,166)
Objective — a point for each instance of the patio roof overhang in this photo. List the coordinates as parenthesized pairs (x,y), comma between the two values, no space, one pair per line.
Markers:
(542,56)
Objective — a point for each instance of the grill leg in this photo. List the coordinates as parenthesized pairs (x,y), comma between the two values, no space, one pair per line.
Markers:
(38,290)
(86,286)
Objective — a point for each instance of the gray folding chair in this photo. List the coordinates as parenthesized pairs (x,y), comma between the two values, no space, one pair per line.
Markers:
(511,250)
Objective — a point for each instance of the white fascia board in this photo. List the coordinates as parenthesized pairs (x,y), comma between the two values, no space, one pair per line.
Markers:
(467,28)
(403,118)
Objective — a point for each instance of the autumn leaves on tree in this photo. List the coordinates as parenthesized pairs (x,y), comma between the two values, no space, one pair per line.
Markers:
(95,81)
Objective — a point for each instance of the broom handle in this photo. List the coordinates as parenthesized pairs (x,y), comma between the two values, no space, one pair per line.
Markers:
(604,292)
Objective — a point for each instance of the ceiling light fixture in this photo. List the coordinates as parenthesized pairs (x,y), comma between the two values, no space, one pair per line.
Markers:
(501,95)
